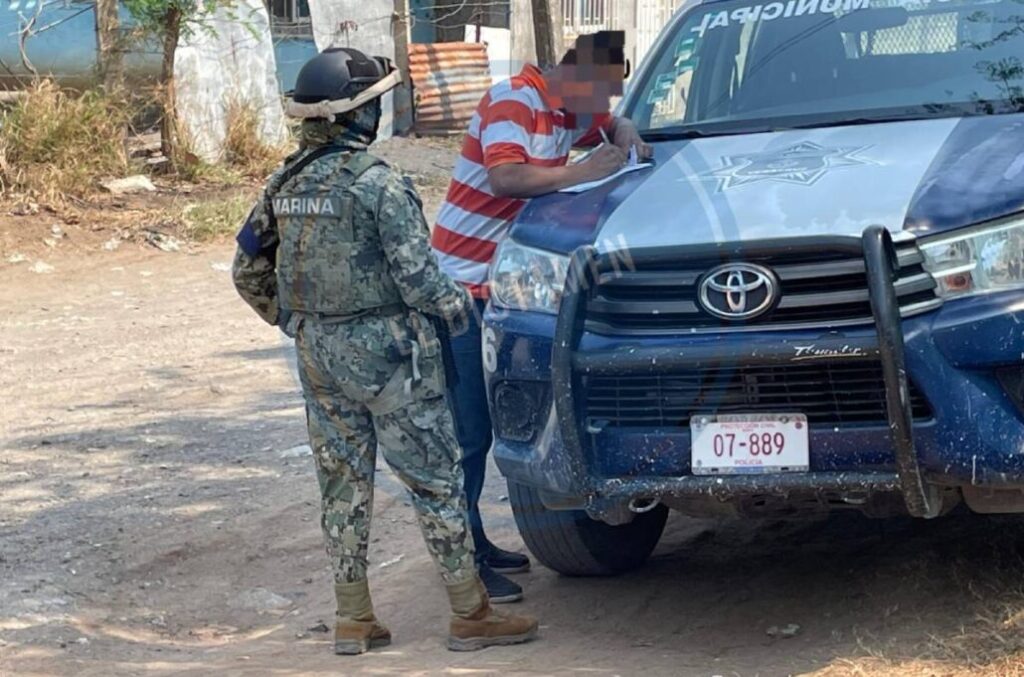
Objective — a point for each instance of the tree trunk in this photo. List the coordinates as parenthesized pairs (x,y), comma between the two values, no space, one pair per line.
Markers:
(108,38)
(547,29)
(169,122)
(402,96)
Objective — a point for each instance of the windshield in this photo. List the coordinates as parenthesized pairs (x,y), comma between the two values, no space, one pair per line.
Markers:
(738,66)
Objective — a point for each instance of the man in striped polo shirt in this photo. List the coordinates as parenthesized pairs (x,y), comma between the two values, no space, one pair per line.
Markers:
(517,147)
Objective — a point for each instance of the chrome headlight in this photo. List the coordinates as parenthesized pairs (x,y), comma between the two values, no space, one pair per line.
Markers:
(524,278)
(977,260)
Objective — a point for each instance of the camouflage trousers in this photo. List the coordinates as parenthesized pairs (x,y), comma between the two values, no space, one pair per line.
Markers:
(360,399)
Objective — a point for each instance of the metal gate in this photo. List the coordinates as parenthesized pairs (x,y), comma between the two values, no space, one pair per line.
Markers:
(587,16)
(651,17)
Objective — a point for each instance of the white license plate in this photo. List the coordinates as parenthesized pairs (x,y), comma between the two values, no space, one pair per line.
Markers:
(734,444)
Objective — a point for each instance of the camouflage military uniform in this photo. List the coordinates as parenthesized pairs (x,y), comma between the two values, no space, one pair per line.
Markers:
(371,371)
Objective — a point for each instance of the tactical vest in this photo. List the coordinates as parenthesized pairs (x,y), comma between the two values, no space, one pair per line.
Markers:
(329,261)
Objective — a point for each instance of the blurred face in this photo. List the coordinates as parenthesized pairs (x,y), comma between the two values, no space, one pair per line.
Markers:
(586,88)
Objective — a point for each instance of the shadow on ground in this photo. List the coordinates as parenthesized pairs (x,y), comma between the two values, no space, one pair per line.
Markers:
(172,524)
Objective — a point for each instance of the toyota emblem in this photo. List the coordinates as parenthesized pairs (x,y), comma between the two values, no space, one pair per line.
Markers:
(738,291)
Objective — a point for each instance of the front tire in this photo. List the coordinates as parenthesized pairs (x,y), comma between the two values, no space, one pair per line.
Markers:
(573,544)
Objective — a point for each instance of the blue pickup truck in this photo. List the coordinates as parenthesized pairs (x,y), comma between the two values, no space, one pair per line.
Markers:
(812,300)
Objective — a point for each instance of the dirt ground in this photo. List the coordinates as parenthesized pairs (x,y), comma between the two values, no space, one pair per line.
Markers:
(158,516)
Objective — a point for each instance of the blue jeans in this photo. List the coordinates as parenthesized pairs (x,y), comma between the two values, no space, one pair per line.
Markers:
(472,421)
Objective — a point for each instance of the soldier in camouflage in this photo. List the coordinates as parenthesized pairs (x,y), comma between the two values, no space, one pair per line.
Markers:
(336,253)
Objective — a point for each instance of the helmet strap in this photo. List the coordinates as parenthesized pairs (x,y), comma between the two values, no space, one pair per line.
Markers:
(329,109)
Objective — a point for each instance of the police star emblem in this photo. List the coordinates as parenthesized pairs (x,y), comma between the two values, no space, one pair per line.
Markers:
(801,164)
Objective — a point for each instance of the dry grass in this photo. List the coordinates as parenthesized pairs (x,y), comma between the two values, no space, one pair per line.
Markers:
(992,641)
(921,667)
(188,165)
(245,154)
(191,168)
(212,219)
(988,595)
(244,149)
(55,144)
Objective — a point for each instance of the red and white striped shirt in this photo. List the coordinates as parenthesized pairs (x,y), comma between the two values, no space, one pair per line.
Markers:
(516,122)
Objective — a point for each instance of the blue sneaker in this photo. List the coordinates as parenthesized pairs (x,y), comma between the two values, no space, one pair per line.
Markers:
(505,562)
(499,589)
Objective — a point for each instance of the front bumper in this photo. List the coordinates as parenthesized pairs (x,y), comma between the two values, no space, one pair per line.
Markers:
(974,438)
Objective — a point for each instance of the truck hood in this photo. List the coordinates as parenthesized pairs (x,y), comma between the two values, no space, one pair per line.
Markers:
(922,176)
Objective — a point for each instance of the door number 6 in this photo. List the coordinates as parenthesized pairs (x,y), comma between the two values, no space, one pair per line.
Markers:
(490,354)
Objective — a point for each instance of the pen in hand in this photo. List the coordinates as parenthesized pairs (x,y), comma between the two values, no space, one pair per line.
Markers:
(632,158)
(606,140)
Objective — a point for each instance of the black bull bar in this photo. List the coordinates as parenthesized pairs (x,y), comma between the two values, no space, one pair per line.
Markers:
(568,363)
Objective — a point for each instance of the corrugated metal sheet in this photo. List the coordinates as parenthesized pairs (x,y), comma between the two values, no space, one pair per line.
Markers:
(449,79)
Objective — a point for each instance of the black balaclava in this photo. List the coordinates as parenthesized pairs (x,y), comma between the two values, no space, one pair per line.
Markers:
(355,129)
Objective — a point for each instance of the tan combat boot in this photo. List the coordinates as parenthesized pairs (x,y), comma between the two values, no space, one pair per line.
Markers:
(475,625)
(356,630)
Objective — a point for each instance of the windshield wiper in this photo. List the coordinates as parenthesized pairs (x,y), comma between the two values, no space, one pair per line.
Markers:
(813,121)
(853,122)
(679,133)
(926,111)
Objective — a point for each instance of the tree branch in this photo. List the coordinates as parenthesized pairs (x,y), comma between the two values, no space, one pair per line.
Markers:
(24,33)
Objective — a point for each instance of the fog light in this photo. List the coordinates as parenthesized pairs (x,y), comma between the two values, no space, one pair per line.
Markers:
(517,409)
(1012,380)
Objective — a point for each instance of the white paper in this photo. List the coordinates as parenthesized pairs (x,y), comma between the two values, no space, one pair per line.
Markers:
(632,164)
(583,187)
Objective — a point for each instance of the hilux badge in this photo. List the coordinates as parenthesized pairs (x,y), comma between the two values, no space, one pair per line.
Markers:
(738,291)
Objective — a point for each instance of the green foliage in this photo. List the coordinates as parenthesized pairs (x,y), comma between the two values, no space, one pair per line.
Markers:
(153,17)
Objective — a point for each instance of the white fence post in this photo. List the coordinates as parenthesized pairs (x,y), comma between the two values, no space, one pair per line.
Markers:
(651,17)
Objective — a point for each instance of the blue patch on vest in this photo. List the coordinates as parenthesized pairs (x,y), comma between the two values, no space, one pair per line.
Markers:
(247,238)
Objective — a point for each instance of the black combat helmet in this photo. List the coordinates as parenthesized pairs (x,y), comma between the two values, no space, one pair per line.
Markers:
(339,73)
(340,80)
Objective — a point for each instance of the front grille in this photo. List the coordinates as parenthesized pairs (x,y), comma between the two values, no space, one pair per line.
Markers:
(828,393)
(822,289)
